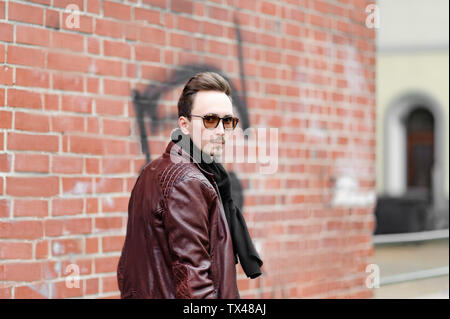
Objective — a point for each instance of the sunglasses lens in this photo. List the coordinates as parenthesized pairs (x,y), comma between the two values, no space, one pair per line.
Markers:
(228,122)
(210,121)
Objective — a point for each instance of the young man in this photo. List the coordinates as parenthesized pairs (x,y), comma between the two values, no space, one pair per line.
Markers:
(184,233)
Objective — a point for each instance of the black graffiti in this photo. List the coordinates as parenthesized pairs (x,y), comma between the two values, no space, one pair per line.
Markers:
(146,103)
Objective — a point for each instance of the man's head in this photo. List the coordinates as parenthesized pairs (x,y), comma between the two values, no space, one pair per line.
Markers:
(205,95)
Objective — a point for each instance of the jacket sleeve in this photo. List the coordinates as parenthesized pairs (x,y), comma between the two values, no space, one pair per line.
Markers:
(187,225)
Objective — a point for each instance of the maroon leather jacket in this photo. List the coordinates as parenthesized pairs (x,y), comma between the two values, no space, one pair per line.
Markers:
(178,244)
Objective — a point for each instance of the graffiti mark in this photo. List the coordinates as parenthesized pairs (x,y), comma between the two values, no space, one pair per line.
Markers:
(146,103)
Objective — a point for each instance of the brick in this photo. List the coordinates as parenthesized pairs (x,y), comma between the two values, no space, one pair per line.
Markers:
(61,247)
(219,14)
(153,72)
(6,32)
(67,164)
(86,145)
(32,35)
(107,223)
(34,57)
(92,165)
(15,250)
(78,63)
(67,123)
(51,102)
(112,243)
(108,28)
(115,165)
(109,284)
(116,10)
(92,206)
(109,107)
(31,122)
(5,290)
(2,52)
(61,290)
(131,31)
(76,103)
(67,206)
(26,162)
(115,204)
(6,74)
(5,162)
(77,185)
(39,290)
(41,249)
(32,78)
(32,142)
(92,286)
(67,41)
(25,13)
(148,15)
(93,125)
(32,186)
(116,127)
(152,35)
(185,6)
(5,206)
(67,226)
(93,85)
(21,229)
(67,82)
(156,3)
(30,207)
(116,87)
(108,67)
(213,29)
(25,99)
(20,271)
(106,264)
(91,245)
(52,19)
(147,53)
(93,45)
(93,6)
(108,185)
(117,49)
(179,40)
(5,119)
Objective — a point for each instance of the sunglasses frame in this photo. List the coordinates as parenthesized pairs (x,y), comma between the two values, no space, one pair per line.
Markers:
(220,119)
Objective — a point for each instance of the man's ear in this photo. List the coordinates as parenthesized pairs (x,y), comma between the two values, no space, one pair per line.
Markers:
(183,124)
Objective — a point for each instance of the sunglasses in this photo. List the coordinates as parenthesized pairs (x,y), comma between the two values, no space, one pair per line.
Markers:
(211,121)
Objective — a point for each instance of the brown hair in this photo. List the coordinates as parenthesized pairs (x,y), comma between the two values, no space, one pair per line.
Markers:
(205,81)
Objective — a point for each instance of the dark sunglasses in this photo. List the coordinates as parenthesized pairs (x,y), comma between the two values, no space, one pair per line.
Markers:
(211,121)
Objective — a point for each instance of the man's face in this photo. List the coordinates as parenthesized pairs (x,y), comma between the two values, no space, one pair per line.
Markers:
(210,141)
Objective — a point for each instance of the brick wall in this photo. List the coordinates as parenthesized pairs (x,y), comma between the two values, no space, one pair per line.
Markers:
(70,150)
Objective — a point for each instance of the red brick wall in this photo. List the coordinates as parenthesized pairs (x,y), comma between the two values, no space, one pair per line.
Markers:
(70,149)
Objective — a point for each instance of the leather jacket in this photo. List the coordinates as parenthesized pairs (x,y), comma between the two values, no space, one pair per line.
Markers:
(177,244)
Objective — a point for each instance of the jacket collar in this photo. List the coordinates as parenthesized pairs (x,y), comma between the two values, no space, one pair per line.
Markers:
(182,153)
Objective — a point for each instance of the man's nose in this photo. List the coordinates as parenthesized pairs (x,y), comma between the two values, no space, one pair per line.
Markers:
(219,129)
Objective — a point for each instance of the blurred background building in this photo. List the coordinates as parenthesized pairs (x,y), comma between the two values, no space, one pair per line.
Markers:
(412,146)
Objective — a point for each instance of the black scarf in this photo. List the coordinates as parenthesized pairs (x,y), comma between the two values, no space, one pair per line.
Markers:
(242,243)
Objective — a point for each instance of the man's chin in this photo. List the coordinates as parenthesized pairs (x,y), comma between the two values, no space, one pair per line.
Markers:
(216,150)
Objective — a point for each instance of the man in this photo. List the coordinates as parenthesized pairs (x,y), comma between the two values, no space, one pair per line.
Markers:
(184,233)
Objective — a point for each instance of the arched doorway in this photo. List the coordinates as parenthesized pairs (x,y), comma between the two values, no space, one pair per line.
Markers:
(413,198)
(420,153)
